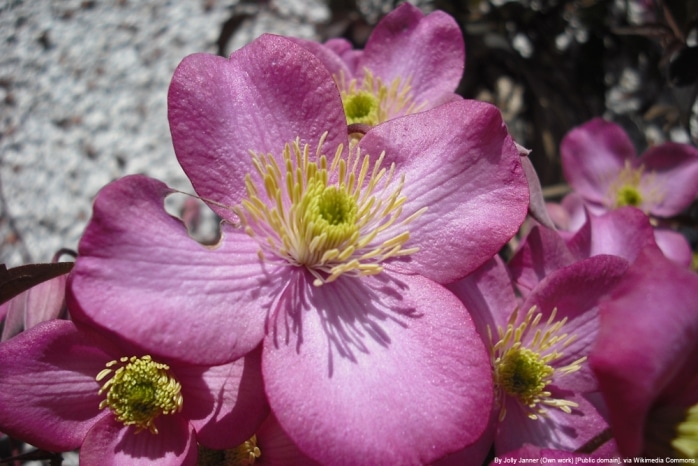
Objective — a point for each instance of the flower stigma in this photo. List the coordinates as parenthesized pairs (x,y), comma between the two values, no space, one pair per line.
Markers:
(139,391)
(245,454)
(633,187)
(339,218)
(372,101)
(524,370)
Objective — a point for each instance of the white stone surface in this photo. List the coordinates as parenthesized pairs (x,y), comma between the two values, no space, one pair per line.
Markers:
(83,88)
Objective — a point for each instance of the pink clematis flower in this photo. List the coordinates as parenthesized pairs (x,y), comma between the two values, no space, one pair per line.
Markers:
(64,386)
(600,163)
(336,263)
(538,350)
(646,359)
(410,63)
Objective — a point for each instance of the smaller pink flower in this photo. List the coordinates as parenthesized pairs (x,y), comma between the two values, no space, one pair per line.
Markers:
(600,163)
(64,386)
(411,63)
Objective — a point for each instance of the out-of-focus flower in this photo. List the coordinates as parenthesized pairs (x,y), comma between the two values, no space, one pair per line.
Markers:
(338,260)
(64,386)
(410,63)
(646,359)
(538,350)
(600,163)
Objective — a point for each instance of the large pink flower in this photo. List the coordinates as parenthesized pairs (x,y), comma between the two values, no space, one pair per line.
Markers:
(337,259)
(646,359)
(64,386)
(411,63)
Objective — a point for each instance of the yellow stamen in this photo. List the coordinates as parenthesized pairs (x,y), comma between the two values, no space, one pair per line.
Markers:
(524,370)
(633,187)
(373,102)
(245,454)
(139,391)
(343,217)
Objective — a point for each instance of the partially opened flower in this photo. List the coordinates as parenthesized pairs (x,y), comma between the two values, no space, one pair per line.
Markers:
(337,263)
(410,63)
(600,163)
(646,359)
(538,350)
(64,386)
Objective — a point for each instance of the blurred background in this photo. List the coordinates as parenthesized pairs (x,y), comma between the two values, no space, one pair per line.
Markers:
(83,85)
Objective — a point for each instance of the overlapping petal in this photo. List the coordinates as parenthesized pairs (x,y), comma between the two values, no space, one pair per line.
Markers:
(140,275)
(648,335)
(393,355)
(469,177)
(265,95)
(674,171)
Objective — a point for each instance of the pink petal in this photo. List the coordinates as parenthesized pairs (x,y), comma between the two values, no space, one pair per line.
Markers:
(266,95)
(674,246)
(428,50)
(40,303)
(542,252)
(48,392)
(109,443)
(556,430)
(468,175)
(330,58)
(140,275)
(673,170)
(592,156)
(225,404)
(277,448)
(575,291)
(640,351)
(391,357)
(488,295)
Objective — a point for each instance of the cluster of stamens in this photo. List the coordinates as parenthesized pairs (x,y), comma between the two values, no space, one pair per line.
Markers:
(245,454)
(633,187)
(372,101)
(139,391)
(524,367)
(341,218)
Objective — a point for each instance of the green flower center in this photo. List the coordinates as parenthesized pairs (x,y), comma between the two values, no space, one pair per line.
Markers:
(633,187)
(524,369)
(139,391)
(361,107)
(628,196)
(340,218)
(373,102)
(686,441)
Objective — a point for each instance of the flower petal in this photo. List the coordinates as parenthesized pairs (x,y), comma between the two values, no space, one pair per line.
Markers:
(141,276)
(390,358)
(427,50)
(673,169)
(48,392)
(640,350)
(225,404)
(110,443)
(674,245)
(592,156)
(458,161)
(267,94)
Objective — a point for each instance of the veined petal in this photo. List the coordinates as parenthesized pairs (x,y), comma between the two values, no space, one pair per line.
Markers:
(427,50)
(48,392)
(592,156)
(382,370)
(110,443)
(141,276)
(459,162)
(267,94)
(225,404)
(674,169)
